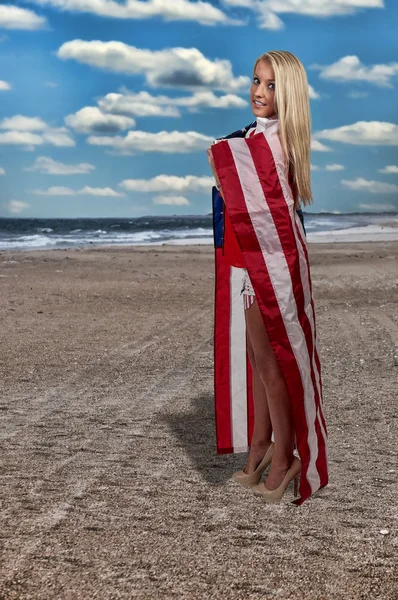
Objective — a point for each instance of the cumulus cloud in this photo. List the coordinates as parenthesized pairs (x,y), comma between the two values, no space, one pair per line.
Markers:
(91,119)
(23,138)
(171,67)
(21,123)
(58,137)
(168,183)
(3,171)
(33,131)
(179,142)
(175,10)
(144,104)
(389,170)
(267,11)
(85,191)
(171,200)
(313,94)
(317,146)
(5,86)
(334,167)
(373,187)
(13,17)
(49,166)
(15,207)
(367,133)
(350,68)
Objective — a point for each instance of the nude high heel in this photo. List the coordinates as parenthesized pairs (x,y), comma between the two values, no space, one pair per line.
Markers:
(276,495)
(254,478)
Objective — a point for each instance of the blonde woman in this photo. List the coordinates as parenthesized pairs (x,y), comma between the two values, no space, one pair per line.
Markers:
(262,177)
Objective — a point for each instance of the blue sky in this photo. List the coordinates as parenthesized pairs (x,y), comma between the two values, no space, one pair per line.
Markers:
(107,106)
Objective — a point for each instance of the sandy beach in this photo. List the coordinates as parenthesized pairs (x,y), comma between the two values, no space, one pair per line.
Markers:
(110,484)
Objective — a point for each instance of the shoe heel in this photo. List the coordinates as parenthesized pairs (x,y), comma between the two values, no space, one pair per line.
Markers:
(275,495)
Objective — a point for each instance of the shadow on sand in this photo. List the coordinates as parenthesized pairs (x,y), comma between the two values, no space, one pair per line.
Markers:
(195,431)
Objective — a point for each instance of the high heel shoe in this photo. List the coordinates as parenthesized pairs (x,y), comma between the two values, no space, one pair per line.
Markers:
(275,495)
(254,478)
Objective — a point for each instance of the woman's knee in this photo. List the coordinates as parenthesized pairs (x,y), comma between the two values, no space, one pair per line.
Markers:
(269,372)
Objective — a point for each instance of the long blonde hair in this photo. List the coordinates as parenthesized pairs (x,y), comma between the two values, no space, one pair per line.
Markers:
(292,105)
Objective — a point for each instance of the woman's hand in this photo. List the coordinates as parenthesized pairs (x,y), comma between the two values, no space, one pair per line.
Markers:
(213,168)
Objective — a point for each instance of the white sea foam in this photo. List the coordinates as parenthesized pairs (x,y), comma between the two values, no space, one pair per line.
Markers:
(370,233)
(179,230)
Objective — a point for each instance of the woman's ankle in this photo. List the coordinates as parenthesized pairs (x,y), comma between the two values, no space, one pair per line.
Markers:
(259,446)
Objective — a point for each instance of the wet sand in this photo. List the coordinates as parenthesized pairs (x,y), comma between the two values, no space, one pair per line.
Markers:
(110,484)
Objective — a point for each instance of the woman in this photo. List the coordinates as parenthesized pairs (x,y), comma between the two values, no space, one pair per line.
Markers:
(261,178)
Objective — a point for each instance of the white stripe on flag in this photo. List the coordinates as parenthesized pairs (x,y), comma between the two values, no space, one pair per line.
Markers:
(278,269)
(237,349)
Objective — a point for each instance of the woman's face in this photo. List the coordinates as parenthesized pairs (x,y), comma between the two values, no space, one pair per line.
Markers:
(263,90)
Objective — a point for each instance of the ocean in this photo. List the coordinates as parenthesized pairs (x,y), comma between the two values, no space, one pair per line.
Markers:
(38,234)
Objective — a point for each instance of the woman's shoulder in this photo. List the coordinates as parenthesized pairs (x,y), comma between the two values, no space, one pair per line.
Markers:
(239,132)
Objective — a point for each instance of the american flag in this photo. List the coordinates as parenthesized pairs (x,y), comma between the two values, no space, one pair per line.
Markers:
(271,236)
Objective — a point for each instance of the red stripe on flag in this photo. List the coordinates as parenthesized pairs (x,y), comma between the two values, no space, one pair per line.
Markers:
(222,379)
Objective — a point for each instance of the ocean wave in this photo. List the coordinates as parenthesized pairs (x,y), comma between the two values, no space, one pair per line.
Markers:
(25,234)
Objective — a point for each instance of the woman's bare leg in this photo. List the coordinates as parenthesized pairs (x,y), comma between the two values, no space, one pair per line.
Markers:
(262,430)
(278,400)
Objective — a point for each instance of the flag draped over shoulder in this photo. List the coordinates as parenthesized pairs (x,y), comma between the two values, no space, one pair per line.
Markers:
(272,240)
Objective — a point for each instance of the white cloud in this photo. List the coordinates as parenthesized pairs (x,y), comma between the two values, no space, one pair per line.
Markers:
(12,17)
(20,131)
(389,170)
(363,133)
(5,86)
(179,142)
(378,207)
(23,138)
(3,171)
(168,183)
(268,10)
(334,167)
(313,94)
(16,206)
(143,104)
(58,137)
(171,200)
(21,123)
(171,67)
(51,84)
(49,166)
(350,68)
(175,10)
(85,191)
(91,119)
(266,19)
(357,95)
(317,146)
(373,187)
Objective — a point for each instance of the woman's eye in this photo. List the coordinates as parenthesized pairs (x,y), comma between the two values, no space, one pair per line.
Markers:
(271,86)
